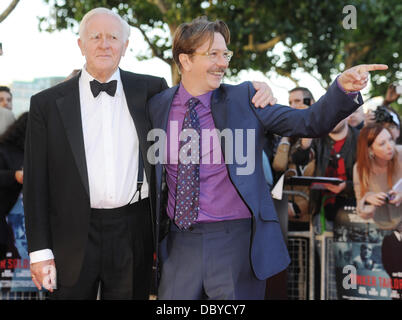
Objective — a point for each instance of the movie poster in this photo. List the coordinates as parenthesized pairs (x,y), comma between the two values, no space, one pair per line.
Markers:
(15,275)
(366,259)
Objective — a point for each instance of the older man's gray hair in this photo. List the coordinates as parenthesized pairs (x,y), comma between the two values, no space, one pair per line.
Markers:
(100,10)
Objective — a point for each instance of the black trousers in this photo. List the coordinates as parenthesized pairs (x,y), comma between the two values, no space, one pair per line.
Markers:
(118,256)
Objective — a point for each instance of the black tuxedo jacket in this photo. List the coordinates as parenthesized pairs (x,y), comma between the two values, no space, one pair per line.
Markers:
(56,188)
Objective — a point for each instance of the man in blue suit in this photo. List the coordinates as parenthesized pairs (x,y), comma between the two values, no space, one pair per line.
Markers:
(224,238)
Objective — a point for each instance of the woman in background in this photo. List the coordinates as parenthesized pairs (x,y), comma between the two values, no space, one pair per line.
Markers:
(378,168)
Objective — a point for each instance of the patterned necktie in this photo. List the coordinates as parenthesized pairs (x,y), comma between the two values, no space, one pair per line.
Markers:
(188,174)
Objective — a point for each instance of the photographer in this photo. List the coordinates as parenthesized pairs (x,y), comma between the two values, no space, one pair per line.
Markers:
(389,119)
(334,156)
(299,98)
(386,115)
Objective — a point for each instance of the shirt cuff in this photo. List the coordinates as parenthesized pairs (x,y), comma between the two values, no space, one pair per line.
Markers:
(41,255)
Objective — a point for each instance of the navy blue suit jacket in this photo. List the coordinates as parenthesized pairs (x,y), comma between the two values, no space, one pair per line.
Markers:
(232,109)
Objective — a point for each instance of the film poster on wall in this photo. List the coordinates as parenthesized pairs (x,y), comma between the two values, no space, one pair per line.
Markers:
(15,275)
(367,260)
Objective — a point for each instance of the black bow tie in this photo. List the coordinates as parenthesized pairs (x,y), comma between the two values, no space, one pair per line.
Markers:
(109,87)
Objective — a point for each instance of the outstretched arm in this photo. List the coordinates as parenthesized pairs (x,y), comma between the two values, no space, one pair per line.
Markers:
(323,115)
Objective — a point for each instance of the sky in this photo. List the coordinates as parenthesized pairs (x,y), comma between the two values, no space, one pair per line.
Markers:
(29,54)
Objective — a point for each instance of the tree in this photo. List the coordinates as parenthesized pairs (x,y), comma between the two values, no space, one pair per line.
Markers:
(309,33)
(8,10)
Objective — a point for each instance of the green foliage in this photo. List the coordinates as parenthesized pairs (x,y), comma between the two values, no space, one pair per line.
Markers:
(310,32)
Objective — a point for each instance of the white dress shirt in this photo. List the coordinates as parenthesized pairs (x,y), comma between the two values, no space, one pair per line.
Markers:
(111,150)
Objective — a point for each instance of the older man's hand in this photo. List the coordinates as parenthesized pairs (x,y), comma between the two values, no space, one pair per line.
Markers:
(44,274)
(356,78)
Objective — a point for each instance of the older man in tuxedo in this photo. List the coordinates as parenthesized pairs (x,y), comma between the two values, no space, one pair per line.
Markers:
(85,192)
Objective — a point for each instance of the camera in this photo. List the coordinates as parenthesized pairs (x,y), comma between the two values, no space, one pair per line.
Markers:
(307,101)
(389,197)
(381,114)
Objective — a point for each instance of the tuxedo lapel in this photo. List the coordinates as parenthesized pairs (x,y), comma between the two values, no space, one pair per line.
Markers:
(70,112)
(136,96)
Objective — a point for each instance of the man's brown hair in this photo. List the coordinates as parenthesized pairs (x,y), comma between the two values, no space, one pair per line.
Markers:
(189,36)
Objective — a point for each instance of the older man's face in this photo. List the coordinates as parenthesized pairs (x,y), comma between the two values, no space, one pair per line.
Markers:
(103,45)
(6,100)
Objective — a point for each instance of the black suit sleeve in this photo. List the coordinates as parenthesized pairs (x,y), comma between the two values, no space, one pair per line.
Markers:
(35,187)
(162,86)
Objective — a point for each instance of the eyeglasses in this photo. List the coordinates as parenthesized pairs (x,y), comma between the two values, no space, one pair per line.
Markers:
(215,55)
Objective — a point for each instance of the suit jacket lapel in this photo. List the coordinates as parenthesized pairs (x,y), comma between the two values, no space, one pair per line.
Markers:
(161,116)
(70,112)
(167,101)
(219,112)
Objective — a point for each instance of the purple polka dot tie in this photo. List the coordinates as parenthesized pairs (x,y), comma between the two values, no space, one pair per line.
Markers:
(188,174)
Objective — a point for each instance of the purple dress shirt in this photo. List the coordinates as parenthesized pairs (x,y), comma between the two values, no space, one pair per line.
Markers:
(219,199)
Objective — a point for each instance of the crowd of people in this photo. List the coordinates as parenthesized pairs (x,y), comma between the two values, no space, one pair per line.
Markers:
(105,216)
(343,153)
(365,146)
(12,138)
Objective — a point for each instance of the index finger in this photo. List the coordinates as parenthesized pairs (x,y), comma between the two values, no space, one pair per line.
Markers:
(373,67)
(37,284)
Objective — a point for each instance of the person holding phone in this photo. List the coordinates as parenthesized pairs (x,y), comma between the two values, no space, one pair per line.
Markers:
(378,168)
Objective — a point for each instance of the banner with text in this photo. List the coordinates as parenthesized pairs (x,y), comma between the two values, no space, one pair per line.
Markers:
(367,259)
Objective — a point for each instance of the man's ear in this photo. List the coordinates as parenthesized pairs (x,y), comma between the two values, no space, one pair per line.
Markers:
(79,41)
(125,48)
(185,61)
